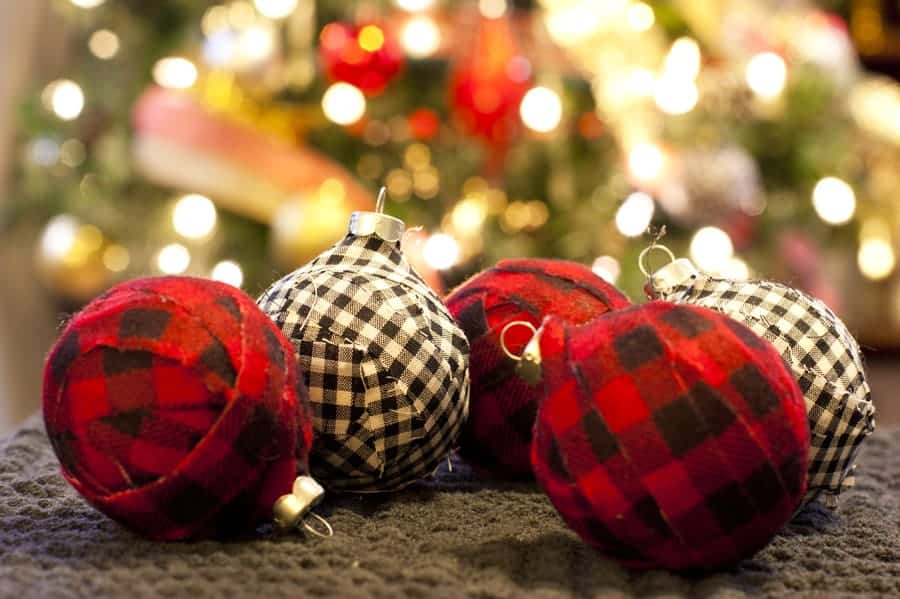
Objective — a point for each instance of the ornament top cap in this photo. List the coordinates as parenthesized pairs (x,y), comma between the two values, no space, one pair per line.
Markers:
(676,272)
(377,223)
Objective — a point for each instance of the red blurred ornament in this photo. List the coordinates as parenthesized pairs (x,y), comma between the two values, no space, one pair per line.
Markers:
(670,437)
(424,124)
(487,86)
(362,55)
(174,406)
(502,406)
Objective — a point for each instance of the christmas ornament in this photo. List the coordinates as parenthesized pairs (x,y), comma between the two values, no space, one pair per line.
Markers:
(179,142)
(671,436)
(362,55)
(487,87)
(76,261)
(498,310)
(386,367)
(822,354)
(712,186)
(175,407)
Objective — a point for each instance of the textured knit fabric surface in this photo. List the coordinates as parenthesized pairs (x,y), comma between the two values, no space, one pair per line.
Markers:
(386,367)
(456,536)
(174,406)
(671,435)
(823,356)
(497,435)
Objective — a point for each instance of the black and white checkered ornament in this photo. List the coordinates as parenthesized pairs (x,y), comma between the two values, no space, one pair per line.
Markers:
(385,364)
(820,351)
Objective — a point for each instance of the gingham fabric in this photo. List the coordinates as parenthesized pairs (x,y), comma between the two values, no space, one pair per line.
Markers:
(497,435)
(386,367)
(823,356)
(174,407)
(670,435)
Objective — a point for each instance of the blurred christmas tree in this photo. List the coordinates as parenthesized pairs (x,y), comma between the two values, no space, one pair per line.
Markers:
(233,139)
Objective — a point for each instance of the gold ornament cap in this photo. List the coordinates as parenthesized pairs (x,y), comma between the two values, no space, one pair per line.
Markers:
(291,510)
(377,223)
(529,362)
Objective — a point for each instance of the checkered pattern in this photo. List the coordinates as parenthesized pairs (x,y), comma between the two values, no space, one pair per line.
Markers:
(175,407)
(386,367)
(671,436)
(821,353)
(497,435)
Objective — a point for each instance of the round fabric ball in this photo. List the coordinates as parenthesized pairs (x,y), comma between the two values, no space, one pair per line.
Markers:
(671,436)
(497,436)
(823,357)
(386,367)
(174,407)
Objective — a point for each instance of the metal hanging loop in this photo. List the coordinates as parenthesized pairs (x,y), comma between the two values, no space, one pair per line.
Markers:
(642,257)
(317,529)
(523,323)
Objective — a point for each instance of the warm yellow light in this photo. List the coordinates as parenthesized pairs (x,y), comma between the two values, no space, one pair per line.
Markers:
(59,236)
(834,201)
(194,216)
(736,269)
(414,5)
(116,258)
(332,191)
(876,258)
(420,36)
(683,59)
(468,216)
(541,109)
(675,95)
(65,99)
(646,161)
(87,3)
(766,74)
(641,82)
(370,38)
(607,268)
(275,9)
(343,103)
(173,259)
(640,16)
(634,215)
(256,44)
(711,249)
(104,44)
(228,271)
(175,72)
(440,251)
(492,9)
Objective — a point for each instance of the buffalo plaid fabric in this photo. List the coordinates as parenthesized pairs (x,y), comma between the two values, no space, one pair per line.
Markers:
(821,353)
(497,435)
(386,367)
(175,407)
(670,436)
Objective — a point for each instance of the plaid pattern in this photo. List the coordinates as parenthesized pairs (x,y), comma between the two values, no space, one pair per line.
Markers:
(821,353)
(172,404)
(671,436)
(386,367)
(497,435)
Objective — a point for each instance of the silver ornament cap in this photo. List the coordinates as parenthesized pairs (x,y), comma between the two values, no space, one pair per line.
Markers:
(673,274)
(377,223)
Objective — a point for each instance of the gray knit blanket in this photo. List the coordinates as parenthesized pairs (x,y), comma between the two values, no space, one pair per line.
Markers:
(453,536)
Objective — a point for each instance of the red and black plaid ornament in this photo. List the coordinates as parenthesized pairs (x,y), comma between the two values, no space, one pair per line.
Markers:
(671,436)
(174,407)
(502,404)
